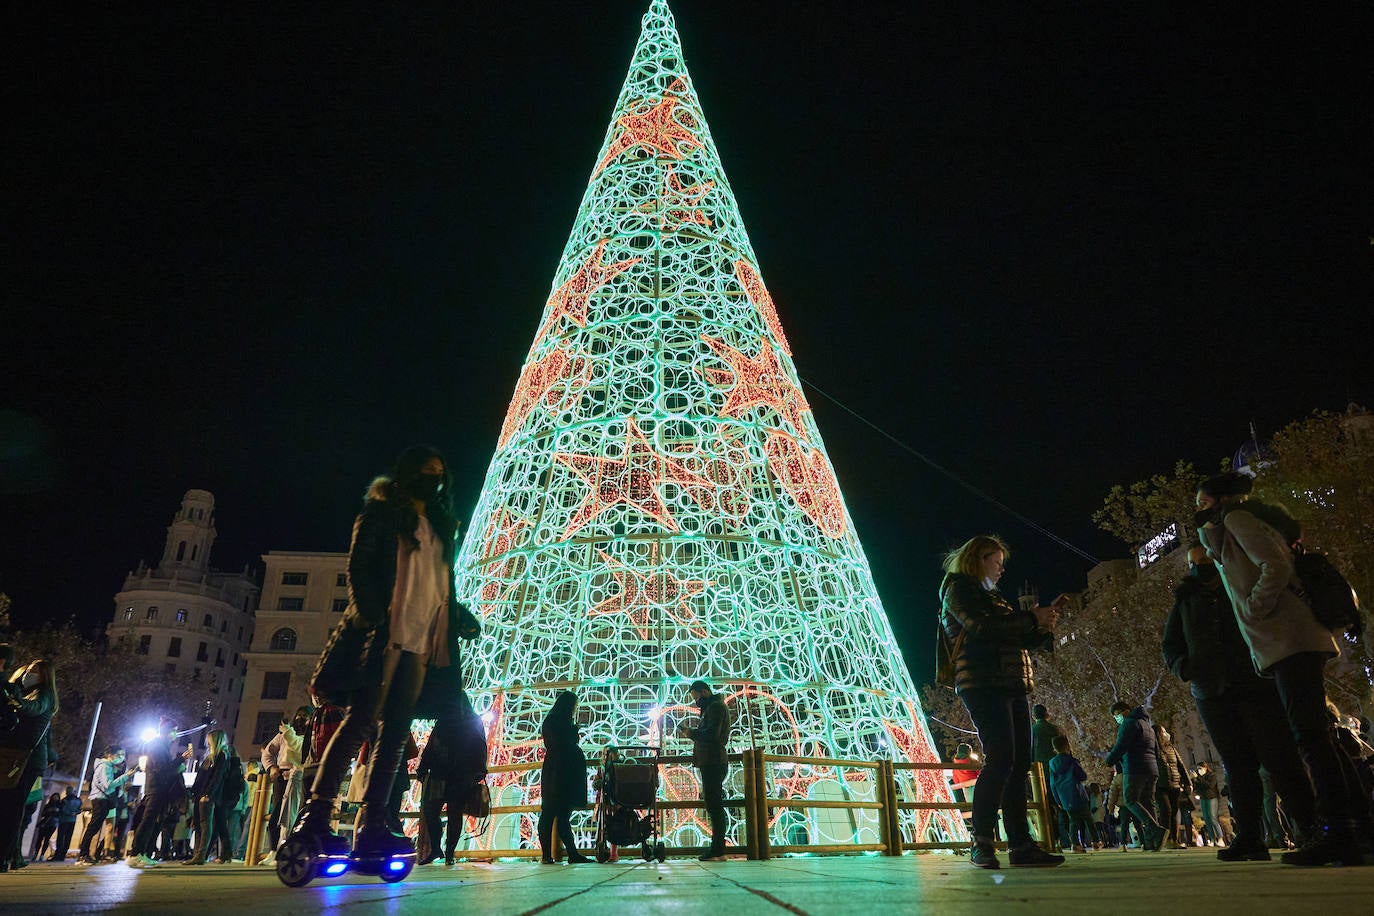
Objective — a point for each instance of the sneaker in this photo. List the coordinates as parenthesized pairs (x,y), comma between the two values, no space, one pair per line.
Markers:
(1079,847)
(1243,852)
(983,855)
(85,860)
(710,857)
(1032,856)
(140,862)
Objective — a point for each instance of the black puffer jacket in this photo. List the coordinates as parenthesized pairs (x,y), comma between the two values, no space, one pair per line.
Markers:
(1202,642)
(1136,749)
(997,636)
(372,569)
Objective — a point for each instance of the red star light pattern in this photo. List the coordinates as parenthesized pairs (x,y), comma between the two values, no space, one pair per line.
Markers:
(656,128)
(931,785)
(640,593)
(500,538)
(758,296)
(632,479)
(570,300)
(758,382)
(677,205)
(556,380)
(806,476)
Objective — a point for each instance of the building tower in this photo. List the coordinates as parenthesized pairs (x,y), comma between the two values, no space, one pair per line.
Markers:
(661,507)
(188,619)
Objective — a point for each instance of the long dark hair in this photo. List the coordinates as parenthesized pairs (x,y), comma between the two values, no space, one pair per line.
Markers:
(396,490)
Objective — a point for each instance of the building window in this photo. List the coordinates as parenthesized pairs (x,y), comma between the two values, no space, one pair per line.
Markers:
(284,640)
(208,622)
(144,644)
(170,669)
(290,604)
(151,616)
(240,634)
(231,686)
(224,626)
(174,647)
(235,663)
(195,549)
(203,653)
(128,613)
(219,658)
(275,684)
(181,615)
(294,578)
(341,580)
(266,728)
(340,605)
(181,551)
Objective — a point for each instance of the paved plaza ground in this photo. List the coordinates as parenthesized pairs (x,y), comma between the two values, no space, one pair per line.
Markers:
(1107,883)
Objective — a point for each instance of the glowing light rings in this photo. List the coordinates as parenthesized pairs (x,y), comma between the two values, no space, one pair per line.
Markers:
(660,506)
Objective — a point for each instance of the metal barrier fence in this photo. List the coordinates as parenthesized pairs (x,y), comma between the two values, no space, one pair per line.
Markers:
(758,806)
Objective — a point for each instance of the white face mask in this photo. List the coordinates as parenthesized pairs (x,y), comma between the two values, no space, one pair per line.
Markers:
(989,584)
(30,678)
(1119,718)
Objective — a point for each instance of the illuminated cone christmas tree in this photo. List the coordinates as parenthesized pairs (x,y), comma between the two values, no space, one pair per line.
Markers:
(661,508)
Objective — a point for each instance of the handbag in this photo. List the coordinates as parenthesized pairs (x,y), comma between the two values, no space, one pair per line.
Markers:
(350,660)
(478,801)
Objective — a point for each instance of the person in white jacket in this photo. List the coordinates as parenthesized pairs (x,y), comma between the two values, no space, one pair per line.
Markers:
(1287,643)
(283,762)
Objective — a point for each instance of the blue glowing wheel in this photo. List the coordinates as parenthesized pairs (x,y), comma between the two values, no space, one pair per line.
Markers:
(298,860)
(394,870)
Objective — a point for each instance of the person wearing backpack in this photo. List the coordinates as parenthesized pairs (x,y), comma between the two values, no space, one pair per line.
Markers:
(1289,644)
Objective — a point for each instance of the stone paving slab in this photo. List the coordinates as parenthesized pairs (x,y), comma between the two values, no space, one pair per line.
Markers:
(1098,883)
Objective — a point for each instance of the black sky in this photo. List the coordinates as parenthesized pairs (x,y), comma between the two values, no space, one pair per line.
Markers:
(257,249)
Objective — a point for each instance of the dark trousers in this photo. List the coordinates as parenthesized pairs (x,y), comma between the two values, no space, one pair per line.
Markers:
(713,797)
(65,829)
(1247,724)
(275,804)
(1298,679)
(1166,800)
(155,806)
(432,824)
(1078,827)
(1003,723)
(392,700)
(1138,794)
(560,817)
(100,807)
(12,803)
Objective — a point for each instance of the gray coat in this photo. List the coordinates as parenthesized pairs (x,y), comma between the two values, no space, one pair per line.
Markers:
(1257,570)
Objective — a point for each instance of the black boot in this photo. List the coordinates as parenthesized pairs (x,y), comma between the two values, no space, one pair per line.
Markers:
(1334,842)
(376,839)
(1243,849)
(314,823)
(1028,855)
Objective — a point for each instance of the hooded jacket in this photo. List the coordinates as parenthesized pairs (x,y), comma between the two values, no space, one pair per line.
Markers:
(1135,748)
(372,570)
(712,733)
(996,637)
(1202,641)
(1257,571)
(1067,784)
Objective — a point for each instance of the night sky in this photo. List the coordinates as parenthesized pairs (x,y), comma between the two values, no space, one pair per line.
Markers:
(1053,247)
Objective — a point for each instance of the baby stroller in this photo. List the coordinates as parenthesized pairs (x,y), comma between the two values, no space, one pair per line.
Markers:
(628,784)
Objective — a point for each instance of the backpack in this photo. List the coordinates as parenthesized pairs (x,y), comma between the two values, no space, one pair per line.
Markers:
(234,781)
(1324,589)
(1327,592)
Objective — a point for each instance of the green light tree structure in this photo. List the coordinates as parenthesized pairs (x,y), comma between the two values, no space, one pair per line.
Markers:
(660,506)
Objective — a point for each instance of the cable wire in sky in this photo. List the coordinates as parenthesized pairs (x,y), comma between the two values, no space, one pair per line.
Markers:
(981,494)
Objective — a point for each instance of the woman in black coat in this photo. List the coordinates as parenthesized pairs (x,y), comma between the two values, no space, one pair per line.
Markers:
(563,779)
(31,695)
(988,641)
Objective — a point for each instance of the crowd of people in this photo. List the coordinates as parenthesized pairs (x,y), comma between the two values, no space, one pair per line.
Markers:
(1244,634)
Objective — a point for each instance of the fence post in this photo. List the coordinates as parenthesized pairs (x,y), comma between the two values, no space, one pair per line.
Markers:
(887,797)
(252,852)
(1040,799)
(751,836)
(761,804)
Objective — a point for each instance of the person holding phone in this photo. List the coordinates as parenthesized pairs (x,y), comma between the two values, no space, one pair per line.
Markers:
(989,639)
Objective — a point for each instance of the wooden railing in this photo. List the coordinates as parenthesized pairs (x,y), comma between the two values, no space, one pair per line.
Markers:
(757,807)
